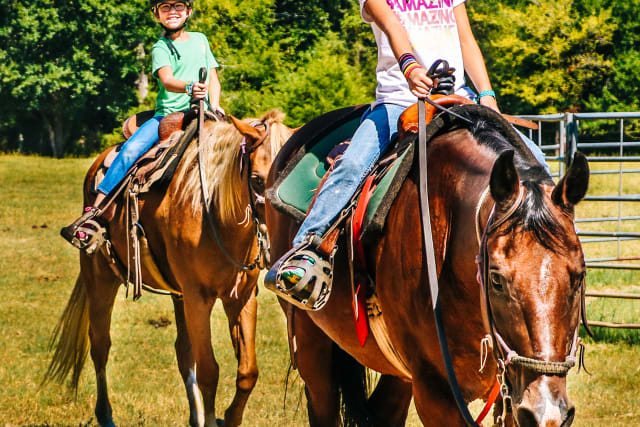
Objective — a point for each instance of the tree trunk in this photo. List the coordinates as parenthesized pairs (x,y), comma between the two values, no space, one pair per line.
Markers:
(58,123)
(55,131)
(52,135)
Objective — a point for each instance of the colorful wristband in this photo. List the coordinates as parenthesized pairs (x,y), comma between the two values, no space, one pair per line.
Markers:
(189,88)
(486,93)
(407,63)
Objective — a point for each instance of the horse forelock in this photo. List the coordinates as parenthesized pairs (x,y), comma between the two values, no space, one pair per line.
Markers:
(278,132)
(534,215)
(221,155)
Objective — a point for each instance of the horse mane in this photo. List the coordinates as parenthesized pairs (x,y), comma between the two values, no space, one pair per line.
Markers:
(222,151)
(533,214)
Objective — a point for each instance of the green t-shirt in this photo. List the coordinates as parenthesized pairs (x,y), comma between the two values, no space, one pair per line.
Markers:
(195,53)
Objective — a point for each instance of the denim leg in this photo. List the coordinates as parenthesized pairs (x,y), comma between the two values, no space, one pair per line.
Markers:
(377,128)
(139,143)
(535,150)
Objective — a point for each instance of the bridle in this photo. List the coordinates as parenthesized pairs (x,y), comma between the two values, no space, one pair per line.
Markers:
(262,258)
(505,355)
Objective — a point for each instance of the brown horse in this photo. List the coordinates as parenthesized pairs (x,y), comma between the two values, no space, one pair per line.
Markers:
(535,269)
(192,263)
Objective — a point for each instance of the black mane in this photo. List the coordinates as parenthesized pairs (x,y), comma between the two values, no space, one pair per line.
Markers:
(533,214)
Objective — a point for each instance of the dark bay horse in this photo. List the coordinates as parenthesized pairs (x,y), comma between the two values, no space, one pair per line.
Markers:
(535,269)
(192,263)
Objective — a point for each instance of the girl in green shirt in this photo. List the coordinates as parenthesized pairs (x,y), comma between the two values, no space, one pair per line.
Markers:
(176,60)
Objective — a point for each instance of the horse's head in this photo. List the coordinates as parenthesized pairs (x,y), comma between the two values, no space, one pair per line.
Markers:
(534,278)
(262,139)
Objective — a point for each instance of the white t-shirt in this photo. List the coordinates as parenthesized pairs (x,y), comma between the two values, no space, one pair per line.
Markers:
(433,33)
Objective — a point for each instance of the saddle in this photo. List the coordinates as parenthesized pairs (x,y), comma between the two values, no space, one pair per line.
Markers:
(155,168)
(362,223)
(151,166)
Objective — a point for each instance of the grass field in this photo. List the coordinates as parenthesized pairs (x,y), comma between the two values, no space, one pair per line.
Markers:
(38,270)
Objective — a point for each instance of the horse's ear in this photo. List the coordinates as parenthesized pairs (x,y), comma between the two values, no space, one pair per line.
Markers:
(505,182)
(573,186)
(246,129)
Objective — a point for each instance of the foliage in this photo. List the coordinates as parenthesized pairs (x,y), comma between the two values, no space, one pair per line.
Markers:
(68,68)
(546,56)
(279,54)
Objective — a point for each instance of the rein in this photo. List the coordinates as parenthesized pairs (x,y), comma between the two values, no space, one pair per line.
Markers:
(505,355)
(432,275)
(263,245)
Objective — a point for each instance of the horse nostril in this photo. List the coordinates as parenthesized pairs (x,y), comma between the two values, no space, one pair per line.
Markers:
(526,418)
(568,420)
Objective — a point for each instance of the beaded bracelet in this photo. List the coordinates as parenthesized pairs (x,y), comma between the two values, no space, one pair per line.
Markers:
(189,88)
(486,93)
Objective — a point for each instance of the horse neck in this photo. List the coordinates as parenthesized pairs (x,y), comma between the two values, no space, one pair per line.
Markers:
(458,174)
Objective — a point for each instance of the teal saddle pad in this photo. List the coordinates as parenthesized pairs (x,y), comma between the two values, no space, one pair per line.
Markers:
(307,152)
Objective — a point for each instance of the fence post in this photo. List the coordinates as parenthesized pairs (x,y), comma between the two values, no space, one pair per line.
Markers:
(572,138)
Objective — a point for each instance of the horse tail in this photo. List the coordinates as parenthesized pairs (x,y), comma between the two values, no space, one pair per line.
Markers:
(351,379)
(70,338)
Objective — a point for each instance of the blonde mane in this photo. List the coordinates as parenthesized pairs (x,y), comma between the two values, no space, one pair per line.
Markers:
(222,159)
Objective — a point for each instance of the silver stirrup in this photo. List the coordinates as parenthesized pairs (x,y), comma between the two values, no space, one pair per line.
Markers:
(96,236)
(313,289)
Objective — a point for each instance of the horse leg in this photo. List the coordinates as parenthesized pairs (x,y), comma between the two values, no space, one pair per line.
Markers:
(390,401)
(186,364)
(434,402)
(314,358)
(242,327)
(102,287)
(197,311)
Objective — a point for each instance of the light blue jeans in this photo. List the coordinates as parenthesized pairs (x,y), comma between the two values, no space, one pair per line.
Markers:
(535,150)
(139,143)
(378,127)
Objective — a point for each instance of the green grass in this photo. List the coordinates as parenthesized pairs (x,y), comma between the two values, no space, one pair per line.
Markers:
(37,273)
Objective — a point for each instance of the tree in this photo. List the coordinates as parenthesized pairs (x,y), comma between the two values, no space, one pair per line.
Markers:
(545,56)
(70,66)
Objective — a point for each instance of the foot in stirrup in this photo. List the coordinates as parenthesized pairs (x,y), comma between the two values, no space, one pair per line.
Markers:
(85,233)
(293,275)
(302,276)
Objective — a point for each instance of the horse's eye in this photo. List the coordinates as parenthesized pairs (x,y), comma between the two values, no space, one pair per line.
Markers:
(578,279)
(257,182)
(497,281)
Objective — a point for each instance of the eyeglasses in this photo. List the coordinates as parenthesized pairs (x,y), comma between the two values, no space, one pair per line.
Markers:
(166,7)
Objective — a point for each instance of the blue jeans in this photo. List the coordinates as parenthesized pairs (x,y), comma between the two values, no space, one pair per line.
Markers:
(378,127)
(535,150)
(139,143)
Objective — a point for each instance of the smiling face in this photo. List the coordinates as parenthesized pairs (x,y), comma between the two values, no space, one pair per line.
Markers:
(172,14)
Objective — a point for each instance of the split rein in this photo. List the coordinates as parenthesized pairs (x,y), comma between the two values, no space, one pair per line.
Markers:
(262,258)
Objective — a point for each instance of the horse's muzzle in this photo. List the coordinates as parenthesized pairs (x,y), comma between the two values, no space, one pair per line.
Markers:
(545,404)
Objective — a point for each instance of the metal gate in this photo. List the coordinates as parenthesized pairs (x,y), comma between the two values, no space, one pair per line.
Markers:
(558,137)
